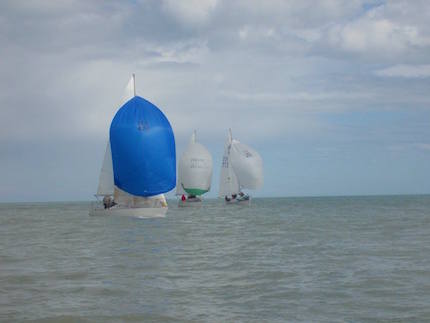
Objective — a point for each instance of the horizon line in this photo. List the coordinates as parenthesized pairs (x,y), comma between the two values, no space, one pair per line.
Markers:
(256,197)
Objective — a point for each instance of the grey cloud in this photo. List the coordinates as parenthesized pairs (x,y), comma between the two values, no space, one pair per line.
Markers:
(271,70)
(407,71)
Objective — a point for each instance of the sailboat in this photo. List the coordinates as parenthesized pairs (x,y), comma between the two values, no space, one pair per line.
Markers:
(242,168)
(194,173)
(139,165)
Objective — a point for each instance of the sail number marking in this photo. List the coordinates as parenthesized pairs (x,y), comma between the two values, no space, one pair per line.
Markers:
(198,163)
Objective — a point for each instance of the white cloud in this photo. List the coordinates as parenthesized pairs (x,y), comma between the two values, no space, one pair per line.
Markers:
(256,33)
(376,36)
(294,13)
(192,51)
(405,146)
(299,96)
(383,32)
(406,71)
(190,12)
(423,146)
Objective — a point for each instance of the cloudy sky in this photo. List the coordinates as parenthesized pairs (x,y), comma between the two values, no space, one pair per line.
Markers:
(334,94)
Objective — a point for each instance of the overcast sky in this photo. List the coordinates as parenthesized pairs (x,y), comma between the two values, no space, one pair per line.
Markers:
(335,95)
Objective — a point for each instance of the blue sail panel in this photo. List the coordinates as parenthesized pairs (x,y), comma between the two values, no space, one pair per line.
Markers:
(143,149)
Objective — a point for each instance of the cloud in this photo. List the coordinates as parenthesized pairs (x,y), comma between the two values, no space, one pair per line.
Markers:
(402,148)
(190,12)
(405,71)
(423,146)
(256,32)
(192,51)
(378,36)
(381,32)
(274,71)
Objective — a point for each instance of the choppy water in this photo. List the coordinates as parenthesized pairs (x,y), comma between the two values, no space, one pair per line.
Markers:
(293,259)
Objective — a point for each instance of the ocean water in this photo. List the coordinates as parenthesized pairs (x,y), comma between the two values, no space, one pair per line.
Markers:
(344,259)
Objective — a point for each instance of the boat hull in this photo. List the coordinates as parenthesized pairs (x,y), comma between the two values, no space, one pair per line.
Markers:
(239,202)
(138,212)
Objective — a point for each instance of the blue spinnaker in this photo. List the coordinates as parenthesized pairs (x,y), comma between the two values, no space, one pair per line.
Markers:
(143,149)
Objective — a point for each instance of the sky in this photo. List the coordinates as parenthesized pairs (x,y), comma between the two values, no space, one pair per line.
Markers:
(333,94)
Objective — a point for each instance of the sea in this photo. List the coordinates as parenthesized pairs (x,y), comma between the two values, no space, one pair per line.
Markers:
(316,259)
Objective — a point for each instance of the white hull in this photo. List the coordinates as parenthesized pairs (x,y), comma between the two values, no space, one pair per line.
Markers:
(239,202)
(138,212)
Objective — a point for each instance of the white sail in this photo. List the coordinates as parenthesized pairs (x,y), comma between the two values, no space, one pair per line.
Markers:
(106,185)
(179,189)
(129,91)
(228,182)
(247,165)
(194,169)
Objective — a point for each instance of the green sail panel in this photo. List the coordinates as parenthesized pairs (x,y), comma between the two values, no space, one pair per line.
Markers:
(195,191)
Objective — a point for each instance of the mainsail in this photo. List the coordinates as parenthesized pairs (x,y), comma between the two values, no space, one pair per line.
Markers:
(106,184)
(228,183)
(194,169)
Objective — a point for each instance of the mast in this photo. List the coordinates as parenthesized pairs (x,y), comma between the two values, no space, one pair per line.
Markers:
(193,137)
(134,84)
